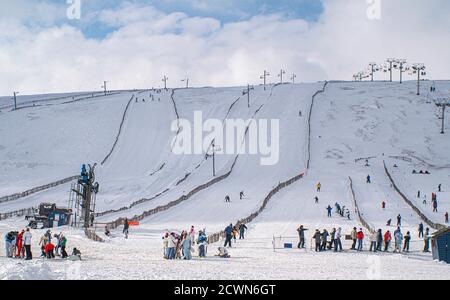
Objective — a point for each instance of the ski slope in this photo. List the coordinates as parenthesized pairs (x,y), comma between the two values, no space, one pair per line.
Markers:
(349,122)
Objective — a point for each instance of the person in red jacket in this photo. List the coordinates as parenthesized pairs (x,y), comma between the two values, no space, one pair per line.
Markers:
(49,250)
(19,243)
(360,237)
(383,205)
(387,240)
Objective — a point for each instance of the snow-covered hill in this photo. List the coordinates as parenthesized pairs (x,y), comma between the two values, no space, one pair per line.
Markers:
(350,121)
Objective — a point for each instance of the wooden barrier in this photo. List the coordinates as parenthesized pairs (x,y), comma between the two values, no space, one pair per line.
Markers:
(35,190)
(308,159)
(120,131)
(18,213)
(362,220)
(216,237)
(90,234)
(430,223)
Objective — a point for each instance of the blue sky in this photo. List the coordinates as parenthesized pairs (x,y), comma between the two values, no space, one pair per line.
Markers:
(223,10)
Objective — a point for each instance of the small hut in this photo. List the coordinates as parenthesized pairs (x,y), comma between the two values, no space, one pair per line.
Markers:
(440,244)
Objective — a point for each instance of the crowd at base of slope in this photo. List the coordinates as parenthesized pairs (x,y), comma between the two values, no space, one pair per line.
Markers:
(18,245)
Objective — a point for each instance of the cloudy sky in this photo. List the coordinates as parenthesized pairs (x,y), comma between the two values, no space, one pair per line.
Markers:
(134,43)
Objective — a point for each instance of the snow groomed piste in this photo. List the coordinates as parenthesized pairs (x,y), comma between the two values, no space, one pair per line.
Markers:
(336,133)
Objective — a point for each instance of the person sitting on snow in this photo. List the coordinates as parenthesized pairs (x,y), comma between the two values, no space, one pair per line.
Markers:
(76,255)
(223,252)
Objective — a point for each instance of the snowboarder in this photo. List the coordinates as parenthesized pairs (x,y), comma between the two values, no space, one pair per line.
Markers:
(387,240)
(227,198)
(319,187)
(368,179)
(317,237)
(228,232)
(399,220)
(426,240)
(301,234)
(353,235)
(421,230)
(329,210)
(242,229)
(126,228)
(407,240)
(241,195)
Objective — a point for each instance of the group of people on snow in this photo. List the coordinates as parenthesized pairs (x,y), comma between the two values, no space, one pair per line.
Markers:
(241,196)
(434,201)
(379,242)
(18,245)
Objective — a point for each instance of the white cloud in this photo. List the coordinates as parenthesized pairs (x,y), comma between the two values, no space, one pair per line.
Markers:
(149,44)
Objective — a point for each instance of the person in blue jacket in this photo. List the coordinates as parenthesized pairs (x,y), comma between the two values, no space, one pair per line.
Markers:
(84,174)
(10,241)
(329,209)
(228,232)
(202,241)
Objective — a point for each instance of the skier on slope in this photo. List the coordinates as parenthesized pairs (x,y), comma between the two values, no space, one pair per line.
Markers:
(242,229)
(421,230)
(316,199)
(329,210)
(227,198)
(435,206)
(228,235)
(440,187)
(368,179)
(126,228)
(446,217)
(319,187)
(399,220)
(241,195)
(301,233)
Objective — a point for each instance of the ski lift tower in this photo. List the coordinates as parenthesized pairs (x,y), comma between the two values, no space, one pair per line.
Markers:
(444,103)
(419,69)
(82,198)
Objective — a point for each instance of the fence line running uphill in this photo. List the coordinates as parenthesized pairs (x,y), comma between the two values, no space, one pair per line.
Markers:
(362,220)
(36,190)
(18,213)
(411,204)
(308,160)
(120,130)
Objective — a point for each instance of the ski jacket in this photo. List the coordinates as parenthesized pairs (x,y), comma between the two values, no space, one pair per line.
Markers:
(338,234)
(387,237)
(354,235)
(360,235)
(27,238)
(229,230)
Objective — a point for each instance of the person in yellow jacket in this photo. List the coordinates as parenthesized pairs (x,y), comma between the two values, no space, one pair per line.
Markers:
(235,234)
(319,186)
